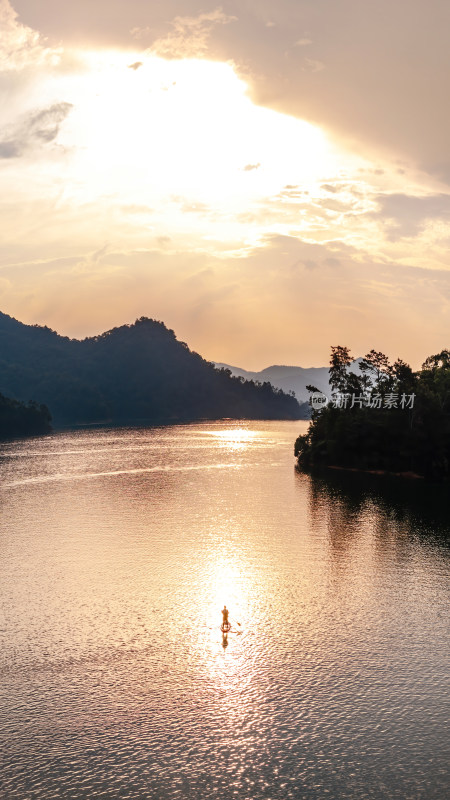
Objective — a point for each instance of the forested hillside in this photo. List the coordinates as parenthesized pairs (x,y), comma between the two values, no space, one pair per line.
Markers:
(134,373)
(22,419)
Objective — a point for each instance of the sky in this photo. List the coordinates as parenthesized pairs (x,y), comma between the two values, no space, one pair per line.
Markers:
(267,179)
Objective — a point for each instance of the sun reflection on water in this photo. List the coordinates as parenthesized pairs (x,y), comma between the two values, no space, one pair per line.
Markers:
(227,579)
(227,585)
(226,663)
(234,438)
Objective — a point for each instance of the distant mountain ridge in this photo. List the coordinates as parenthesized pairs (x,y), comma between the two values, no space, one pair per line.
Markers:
(133,373)
(290,379)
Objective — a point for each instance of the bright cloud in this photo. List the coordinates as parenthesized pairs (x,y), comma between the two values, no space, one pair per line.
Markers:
(188,37)
(20,46)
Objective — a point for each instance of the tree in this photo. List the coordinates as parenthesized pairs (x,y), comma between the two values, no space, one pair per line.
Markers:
(441,360)
(403,427)
(339,361)
(376,367)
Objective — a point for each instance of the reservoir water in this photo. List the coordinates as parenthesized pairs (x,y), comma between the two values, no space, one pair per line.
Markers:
(118,549)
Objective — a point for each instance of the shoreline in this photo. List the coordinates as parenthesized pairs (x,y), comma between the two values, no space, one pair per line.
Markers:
(408,474)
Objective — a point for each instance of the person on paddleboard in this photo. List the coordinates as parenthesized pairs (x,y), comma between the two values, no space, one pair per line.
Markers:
(225,616)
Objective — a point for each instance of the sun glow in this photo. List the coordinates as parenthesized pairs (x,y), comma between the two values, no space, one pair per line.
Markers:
(171,128)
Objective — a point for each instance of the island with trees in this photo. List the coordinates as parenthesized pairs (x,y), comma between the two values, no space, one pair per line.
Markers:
(383,417)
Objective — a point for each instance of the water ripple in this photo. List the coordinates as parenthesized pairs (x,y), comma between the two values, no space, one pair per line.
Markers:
(116,680)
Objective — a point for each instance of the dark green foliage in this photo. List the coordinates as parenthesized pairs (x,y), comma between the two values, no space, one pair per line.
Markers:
(340,360)
(135,373)
(415,440)
(20,419)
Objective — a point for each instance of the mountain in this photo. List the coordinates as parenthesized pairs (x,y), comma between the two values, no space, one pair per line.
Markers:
(291,379)
(134,373)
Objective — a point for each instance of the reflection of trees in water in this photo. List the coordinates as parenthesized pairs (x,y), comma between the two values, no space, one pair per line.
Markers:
(340,515)
(396,510)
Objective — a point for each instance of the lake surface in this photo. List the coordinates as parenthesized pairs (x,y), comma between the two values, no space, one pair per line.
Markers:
(118,549)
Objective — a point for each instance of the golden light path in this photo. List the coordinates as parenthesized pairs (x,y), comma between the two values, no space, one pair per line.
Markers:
(230,574)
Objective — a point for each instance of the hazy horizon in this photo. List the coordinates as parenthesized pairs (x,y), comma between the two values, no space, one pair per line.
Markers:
(267,181)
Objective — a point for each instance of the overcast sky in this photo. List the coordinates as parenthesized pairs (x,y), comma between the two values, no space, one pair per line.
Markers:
(267,179)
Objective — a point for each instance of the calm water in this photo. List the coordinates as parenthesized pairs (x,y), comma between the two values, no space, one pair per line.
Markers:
(118,550)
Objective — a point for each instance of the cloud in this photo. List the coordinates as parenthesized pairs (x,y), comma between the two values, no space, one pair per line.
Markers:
(285,300)
(34,129)
(250,167)
(195,207)
(9,149)
(384,89)
(189,37)
(20,46)
(190,206)
(407,215)
(385,86)
(136,208)
(328,187)
(312,65)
